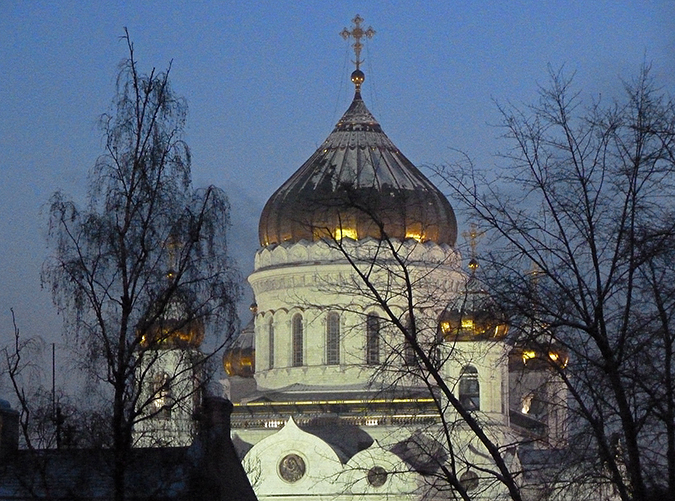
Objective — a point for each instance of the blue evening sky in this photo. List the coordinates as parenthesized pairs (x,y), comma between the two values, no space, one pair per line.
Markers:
(266,82)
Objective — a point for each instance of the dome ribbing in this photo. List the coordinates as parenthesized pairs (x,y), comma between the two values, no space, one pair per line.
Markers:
(357,185)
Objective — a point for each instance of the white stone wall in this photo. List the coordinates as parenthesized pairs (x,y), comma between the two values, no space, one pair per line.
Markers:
(173,426)
(321,474)
(314,279)
(490,359)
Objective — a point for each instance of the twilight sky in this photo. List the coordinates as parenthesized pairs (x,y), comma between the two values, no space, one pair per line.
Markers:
(265,84)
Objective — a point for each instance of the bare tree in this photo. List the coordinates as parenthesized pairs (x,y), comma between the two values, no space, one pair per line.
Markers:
(464,453)
(19,365)
(145,266)
(586,201)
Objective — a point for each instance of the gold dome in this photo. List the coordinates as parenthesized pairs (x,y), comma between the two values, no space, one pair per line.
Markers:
(473,316)
(239,362)
(537,357)
(176,327)
(239,357)
(357,185)
(358,78)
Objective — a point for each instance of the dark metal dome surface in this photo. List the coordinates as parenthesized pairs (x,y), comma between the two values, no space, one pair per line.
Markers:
(357,185)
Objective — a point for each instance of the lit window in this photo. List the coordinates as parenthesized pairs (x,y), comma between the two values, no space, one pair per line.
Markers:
(534,403)
(446,327)
(528,355)
(414,235)
(270,345)
(467,323)
(415,232)
(162,397)
(297,341)
(372,339)
(469,389)
(333,339)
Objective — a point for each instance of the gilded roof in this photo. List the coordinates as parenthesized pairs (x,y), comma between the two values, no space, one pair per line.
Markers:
(357,185)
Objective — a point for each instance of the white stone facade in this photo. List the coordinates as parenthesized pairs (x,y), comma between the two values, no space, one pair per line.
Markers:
(312,280)
(169,397)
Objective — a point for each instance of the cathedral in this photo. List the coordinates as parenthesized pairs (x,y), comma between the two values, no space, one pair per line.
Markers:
(371,345)
(359,291)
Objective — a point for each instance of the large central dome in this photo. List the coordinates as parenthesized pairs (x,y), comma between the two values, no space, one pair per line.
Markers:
(357,185)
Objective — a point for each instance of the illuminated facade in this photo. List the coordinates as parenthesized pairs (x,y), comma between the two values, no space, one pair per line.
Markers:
(328,404)
(170,363)
(329,399)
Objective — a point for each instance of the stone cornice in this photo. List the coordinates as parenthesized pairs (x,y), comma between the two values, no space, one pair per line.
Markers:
(324,252)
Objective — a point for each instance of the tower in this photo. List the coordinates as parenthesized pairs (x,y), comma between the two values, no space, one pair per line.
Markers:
(169,366)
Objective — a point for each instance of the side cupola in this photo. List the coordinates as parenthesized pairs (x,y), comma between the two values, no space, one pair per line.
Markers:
(474,315)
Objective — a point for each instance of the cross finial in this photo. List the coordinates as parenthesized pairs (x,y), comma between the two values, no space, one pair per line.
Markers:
(535,272)
(357,33)
(473,236)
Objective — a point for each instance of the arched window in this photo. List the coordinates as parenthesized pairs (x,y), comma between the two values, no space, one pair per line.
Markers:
(372,339)
(409,355)
(162,396)
(270,345)
(534,403)
(333,339)
(298,358)
(469,389)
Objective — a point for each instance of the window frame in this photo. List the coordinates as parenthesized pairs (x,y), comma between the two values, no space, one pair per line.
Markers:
(409,354)
(297,341)
(333,338)
(469,388)
(270,343)
(373,334)
(162,396)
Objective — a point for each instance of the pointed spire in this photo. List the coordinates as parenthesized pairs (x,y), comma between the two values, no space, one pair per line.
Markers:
(357,33)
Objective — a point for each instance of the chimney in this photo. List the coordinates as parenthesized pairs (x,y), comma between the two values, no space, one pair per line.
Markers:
(215,417)
(217,473)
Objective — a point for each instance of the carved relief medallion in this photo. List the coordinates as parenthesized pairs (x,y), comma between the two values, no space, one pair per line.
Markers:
(292,468)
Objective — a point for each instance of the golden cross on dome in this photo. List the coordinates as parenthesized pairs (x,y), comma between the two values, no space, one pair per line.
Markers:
(473,236)
(535,273)
(173,247)
(357,33)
